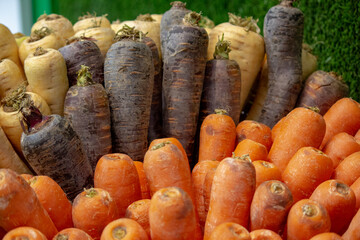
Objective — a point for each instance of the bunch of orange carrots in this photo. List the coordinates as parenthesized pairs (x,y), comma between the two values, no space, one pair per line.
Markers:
(251,182)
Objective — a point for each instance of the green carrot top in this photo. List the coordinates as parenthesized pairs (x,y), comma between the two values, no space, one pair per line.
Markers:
(222,48)
(248,23)
(127,32)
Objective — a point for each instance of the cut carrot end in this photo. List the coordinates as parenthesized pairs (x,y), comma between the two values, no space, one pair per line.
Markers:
(61,237)
(341,188)
(119,232)
(32,180)
(309,210)
(90,193)
(40,51)
(267,164)
(277,188)
(170,193)
(159,145)
(178,4)
(238,232)
(221,111)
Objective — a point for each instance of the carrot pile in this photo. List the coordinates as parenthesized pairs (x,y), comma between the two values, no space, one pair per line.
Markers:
(138,138)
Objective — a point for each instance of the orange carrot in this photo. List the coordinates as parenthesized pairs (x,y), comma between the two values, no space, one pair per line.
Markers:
(22,207)
(306,219)
(207,189)
(357,136)
(124,229)
(139,211)
(306,170)
(343,116)
(270,206)
(231,194)
(356,188)
(326,236)
(258,132)
(173,141)
(301,128)
(353,233)
(349,169)
(230,231)
(92,210)
(72,234)
(255,150)
(198,179)
(165,166)
(54,200)
(340,146)
(116,173)
(266,171)
(26,176)
(172,215)
(276,129)
(24,233)
(264,234)
(144,185)
(339,201)
(217,136)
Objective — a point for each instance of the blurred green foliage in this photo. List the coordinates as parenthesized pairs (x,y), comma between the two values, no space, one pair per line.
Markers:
(331,27)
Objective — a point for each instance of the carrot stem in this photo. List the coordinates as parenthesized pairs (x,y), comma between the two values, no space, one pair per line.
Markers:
(160,145)
(84,77)
(192,19)
(178,4)
(40,51)
(309,210)
(127,32)
(39,34)
(32,117)
(248,23)
(90,193)
(222,48)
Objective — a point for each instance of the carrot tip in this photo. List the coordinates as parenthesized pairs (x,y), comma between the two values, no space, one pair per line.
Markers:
(119,232)
(61,237)
(341,188)
(277,188)
(309,210)
(90,193)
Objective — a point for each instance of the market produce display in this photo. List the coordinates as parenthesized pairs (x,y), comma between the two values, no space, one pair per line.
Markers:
(134,130)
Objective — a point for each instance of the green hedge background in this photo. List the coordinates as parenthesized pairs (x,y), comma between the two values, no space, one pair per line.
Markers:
(332,28)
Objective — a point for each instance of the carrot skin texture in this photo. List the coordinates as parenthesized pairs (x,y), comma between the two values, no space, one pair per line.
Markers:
(54,200)
(91,213)
(353,233)
(57,140)
(139,211)
(327,236)
(125,229)
(144,184)
(348,170)
(173,16)
(172,215)
(322,90)
(83,53)
(306,219)
(255,131)
(27,233)
(301,128)
(221,89)
(356,188)
(270,206)
(283,35)
(307,169)
(339,201)
(87,109)
(255,150)
(22,207)
(155,124)
(183,77)
(340,146)
(230,231)
(129,84)
(116,173)
(166,167)
(232,191)
(266,171)
(198,177)
(72,234)
(343,116)
(217,137)
(264,234)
